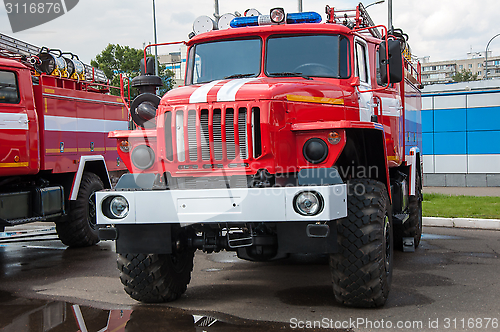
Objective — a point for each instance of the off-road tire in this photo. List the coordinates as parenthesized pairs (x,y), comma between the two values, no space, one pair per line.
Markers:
(362,269)
(413,226)
(154,278)
(80,230)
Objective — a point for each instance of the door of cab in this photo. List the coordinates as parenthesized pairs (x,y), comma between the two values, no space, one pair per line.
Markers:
(14,124)
(362,70)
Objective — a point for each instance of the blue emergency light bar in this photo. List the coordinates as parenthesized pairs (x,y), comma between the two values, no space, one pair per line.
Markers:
(293,18)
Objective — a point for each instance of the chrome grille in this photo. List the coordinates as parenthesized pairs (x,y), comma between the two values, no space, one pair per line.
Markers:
(192,140)
(205,136)
(208,138)
(217,133)
(242,133)
(230,146)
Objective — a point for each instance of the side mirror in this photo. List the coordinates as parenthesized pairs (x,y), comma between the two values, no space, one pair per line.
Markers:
(395,62)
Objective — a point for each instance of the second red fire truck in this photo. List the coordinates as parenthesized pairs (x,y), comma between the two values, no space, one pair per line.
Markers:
(55,115)
(289,136)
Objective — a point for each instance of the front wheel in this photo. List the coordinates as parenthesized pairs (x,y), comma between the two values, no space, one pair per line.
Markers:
(81,228)
(154,278)
(362,269)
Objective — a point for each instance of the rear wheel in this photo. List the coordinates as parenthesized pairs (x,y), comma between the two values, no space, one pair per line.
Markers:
(81,228)
(362,269)
(154,278)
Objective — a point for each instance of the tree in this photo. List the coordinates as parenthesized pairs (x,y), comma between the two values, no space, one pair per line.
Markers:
(116,59)
(464,76)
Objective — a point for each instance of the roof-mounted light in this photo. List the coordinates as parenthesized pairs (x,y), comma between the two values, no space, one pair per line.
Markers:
(277,15)
(225,21)
(203,24)
(304,17)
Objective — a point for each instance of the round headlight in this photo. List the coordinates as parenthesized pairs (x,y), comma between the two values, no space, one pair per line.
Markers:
(118,207)
(143,157)
(315,150)
(308,203)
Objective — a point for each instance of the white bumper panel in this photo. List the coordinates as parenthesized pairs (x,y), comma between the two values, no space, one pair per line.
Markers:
(222,205)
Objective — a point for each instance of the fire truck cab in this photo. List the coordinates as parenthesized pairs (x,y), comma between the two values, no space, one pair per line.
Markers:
(289,136)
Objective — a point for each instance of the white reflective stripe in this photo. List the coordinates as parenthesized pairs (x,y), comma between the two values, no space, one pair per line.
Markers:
(229,90)
(13,121)
(84,99)
(63,123)
(200,95)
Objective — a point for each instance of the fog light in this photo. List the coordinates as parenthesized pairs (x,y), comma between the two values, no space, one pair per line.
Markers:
(118,207)
(143,157)
(308,203)
(315,150)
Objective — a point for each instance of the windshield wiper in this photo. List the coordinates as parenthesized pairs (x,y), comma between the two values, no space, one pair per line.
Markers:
(290,74)
(239,76)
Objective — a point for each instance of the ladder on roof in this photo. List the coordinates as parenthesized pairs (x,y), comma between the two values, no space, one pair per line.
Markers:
(353,18)
(12,48)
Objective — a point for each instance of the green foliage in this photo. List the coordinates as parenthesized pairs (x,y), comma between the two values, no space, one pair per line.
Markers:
(450,206)
(116,59)
(464,76)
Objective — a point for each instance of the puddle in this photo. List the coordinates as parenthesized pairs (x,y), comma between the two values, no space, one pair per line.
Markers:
(33,315)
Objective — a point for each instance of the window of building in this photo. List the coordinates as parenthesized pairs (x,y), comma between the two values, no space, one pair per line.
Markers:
(497,62)
(497,71)
(478,65)
(479,72)
(461,67)
(470,65)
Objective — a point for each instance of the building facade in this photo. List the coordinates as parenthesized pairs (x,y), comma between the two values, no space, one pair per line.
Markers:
(461,134)
(443,71)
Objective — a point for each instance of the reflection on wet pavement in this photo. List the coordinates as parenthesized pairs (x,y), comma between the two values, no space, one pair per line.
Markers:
(31,315)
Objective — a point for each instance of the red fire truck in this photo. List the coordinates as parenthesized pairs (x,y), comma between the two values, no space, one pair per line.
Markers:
(55,113)
(289,136)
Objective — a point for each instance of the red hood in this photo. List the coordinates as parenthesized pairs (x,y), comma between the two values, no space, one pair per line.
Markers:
(261,88)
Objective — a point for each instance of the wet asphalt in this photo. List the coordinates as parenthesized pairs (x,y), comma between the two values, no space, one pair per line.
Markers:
(450,283)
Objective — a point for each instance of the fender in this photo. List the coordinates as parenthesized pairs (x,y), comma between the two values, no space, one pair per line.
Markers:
(97,165)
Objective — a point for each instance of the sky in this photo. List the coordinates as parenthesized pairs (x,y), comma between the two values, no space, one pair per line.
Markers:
(441,29)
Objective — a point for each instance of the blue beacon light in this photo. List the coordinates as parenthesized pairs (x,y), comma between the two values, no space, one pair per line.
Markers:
(293,18)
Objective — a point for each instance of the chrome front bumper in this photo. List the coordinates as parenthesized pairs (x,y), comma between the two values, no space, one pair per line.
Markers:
(222,205)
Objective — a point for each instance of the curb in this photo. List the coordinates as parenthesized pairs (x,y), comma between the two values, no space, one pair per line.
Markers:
(489,224)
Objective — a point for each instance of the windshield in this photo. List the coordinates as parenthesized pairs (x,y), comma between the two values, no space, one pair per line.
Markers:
(224,59)
(308,55)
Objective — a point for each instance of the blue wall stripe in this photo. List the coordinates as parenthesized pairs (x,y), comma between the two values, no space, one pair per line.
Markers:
(450,143)
(450,120)
(427,143)
(484,142)
(483,118)
(427,121)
